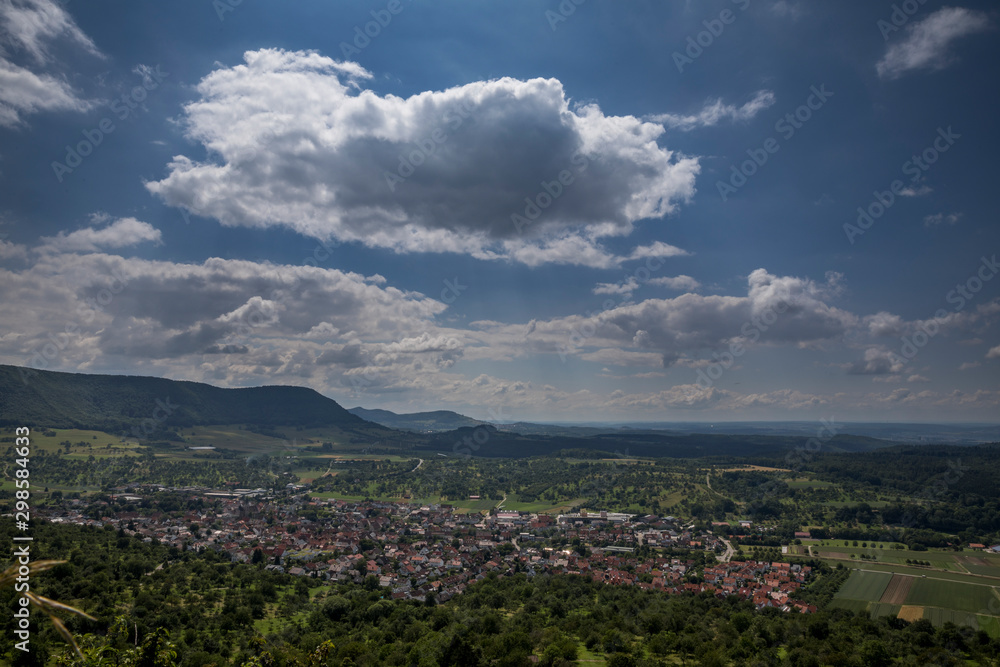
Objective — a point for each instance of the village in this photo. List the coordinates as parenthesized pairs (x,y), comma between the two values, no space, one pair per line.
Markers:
(418,552)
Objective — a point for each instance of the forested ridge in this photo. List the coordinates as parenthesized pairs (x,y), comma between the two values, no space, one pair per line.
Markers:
(116,403)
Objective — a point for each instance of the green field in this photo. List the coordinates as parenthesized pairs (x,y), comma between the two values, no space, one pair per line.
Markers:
(292,441)
(877,609)
(970,561)
(233,438)
(513,503)
(990,625)
(96,443)
(948,595)
(460,506)
(945,596)
(952,561)
(838,545)
(922,571)
(809,484)
(864,586)
(957,600)
(937,560)
(939,617)
(858,606)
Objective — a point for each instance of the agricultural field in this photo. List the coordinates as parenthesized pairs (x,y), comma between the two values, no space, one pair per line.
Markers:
(83,443)
(541,507)
(460,506)
(990,625)
(958,577)
(948,595)
(898,589)
(978,563)
(953,561)
(805,483)
(233,438)
(939,617)
(864,586)
(858,606)
(912,596)
(879,609)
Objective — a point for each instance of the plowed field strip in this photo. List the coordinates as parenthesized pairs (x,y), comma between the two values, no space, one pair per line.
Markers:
(897,590)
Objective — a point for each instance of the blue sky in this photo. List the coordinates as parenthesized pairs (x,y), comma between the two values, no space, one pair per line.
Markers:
(743,210)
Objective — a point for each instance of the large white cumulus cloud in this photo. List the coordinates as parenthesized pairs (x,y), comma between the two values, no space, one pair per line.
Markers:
(295,141)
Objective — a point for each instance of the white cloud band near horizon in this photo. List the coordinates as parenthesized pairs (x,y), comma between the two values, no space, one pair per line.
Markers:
(241,323)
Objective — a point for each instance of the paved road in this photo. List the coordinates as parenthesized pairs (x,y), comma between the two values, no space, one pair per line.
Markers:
(730,551)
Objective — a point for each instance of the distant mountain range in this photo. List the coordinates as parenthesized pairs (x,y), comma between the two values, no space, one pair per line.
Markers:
(114,403)
(117,403)
(917,434)
(418,422)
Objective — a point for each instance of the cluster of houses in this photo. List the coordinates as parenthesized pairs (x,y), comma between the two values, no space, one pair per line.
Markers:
(767,584)
(417,551)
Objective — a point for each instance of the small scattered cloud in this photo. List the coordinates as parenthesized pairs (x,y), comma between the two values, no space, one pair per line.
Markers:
(28,29)
(969,365)
(658,249)
(619,357)
(787,9)
(626,287)
(23,92)
(34,25)
(917,378)
(884,324)
(994,353)
(686,283)
(916,192)
(226,349)
(927,43)
(119,234)
(942,219)
(714,112)
(877,361)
